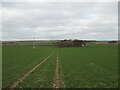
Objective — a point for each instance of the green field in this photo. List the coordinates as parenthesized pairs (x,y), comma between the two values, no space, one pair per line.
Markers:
(82,67)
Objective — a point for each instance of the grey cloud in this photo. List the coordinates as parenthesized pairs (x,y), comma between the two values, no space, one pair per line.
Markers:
(60,20)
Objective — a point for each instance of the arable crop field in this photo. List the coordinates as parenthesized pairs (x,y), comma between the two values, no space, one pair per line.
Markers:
(51,67)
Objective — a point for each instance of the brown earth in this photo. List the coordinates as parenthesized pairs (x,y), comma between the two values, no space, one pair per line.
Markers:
(58,77)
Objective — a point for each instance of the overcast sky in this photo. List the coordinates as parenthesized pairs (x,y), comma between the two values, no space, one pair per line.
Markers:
(60,20)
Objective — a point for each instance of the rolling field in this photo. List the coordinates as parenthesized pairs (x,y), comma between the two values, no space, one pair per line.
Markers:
(91,67)
(19,59)
(51,67)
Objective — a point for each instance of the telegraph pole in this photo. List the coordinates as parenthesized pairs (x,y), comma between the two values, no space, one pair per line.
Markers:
(33,42)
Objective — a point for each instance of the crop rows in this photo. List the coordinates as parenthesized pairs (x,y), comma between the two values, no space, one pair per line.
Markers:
(17,60)
(84,67)
(90,67)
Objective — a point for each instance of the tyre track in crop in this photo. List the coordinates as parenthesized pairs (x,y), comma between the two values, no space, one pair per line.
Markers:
(39,79)
(58,77)
(61,76)
(16,82)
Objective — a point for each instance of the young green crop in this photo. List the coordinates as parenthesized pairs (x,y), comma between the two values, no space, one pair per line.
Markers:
(17,60)
(42,77)
(90,67)
(81,67)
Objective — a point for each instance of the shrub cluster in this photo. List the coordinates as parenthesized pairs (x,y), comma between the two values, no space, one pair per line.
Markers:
(112,41)
(70,43)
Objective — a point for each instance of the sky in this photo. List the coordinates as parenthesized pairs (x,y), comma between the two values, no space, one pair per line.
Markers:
(59,20)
